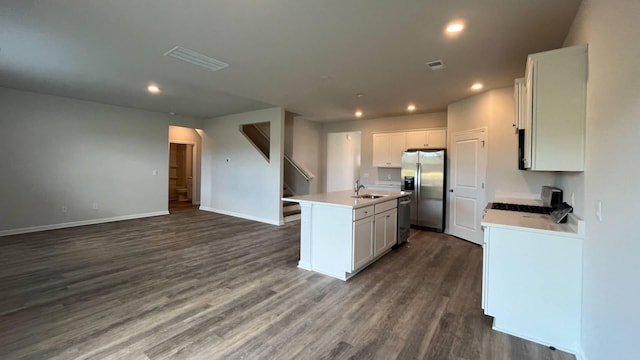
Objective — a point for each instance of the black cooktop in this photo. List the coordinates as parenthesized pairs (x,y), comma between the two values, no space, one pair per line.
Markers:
(522,208)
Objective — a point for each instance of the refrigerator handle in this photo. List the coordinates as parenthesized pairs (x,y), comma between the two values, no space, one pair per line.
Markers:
(418,180)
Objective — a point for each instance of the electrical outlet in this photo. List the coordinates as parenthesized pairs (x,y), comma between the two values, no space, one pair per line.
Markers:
(95,206)
(599,210)
(388,176)
(154,172)
(573,198)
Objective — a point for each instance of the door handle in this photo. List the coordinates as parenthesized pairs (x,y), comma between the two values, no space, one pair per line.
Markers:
(450,190)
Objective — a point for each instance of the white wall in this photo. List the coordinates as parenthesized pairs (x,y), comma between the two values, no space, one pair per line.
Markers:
(59,152)
(495,110)
(343,160)
(246,185)
(370,175)
(184,135)
(611,293)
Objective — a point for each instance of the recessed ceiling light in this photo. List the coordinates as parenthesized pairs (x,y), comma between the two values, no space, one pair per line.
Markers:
(154,89)
(360,95)
(476,86)
(455,27)
(411,107)
(358,113)
(171,113)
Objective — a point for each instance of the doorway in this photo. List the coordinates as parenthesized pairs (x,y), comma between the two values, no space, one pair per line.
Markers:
(184,167)
(181,173)
(468,154)
(343,160)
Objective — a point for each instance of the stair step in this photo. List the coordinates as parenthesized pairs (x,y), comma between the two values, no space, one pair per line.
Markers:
(291,218)
(289,203)
(291,212)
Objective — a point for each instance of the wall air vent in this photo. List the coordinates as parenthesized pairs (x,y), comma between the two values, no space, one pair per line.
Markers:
(436,65)
(196,58)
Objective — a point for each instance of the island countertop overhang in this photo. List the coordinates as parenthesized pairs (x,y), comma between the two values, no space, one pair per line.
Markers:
(346,199)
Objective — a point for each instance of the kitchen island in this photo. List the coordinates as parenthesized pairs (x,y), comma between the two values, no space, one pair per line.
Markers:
(340,234)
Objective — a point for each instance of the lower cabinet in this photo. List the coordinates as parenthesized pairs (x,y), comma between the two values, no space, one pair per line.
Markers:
(385,231)
(339,241)
(363,236)
(532,283)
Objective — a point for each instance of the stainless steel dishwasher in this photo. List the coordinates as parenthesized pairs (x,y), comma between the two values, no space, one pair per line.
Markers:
(404,221)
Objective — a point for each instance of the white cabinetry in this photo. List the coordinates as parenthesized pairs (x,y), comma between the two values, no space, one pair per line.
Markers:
(532,283)
(339,241)
(386,230)
(387,149)
(427,139)
(555,110)
(363,236)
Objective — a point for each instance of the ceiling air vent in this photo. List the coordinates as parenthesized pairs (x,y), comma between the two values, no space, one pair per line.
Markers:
(196,58)
(436,65)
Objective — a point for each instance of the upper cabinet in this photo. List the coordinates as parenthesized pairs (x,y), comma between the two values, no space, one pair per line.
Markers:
(427,139)
(554,110)
(388,147)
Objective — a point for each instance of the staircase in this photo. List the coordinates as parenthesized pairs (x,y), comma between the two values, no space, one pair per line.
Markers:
(290,210)
(296,177)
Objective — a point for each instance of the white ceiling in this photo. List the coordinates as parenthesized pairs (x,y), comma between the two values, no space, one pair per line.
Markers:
(280,51)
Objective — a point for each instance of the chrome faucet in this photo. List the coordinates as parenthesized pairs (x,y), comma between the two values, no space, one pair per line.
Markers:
(357,187)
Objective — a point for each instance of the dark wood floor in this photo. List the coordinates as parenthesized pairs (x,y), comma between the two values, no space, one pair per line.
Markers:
(197,285)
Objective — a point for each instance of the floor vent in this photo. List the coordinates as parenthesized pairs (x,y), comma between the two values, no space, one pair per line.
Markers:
(195,58)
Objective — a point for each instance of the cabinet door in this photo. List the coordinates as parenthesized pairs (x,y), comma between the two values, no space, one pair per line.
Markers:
(386,234)
(363,233)
(380,234)
(391,228)
(381,150)
(437,139)
(556,97)
(396,147)
(416,140)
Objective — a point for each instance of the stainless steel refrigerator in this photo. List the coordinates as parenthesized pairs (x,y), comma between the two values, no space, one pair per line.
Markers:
(423,173)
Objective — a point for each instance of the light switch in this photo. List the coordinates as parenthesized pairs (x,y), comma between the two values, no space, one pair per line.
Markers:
(599,210)
(154,172)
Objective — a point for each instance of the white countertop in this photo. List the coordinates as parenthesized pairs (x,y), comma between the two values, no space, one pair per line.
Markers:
(574,227)
(345,199)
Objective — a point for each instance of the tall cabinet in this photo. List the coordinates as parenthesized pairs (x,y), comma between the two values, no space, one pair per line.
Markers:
(554,109)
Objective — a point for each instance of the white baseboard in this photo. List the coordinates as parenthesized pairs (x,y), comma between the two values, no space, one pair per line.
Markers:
(79,223)
(304,265)
(242,216)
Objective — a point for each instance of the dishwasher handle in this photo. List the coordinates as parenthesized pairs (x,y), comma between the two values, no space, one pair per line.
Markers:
(405,202)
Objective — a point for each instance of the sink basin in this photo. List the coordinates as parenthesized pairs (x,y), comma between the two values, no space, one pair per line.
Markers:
(368,196)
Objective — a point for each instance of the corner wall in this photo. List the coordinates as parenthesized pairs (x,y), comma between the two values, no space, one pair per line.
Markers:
(62,158)
(611,290)
(236,179)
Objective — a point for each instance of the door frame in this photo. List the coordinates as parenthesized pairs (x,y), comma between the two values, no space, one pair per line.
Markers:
(196,171)
(450,170)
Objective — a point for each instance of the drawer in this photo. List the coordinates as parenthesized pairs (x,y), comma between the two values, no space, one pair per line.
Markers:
(363,212)
(387,205)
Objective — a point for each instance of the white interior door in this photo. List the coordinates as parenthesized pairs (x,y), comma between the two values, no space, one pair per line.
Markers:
(466,185)
(343,160)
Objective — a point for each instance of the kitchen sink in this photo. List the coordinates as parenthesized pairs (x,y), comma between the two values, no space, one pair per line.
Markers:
(368,196)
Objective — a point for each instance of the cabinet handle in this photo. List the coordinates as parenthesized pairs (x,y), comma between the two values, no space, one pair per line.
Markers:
(366,212)
(388,216)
